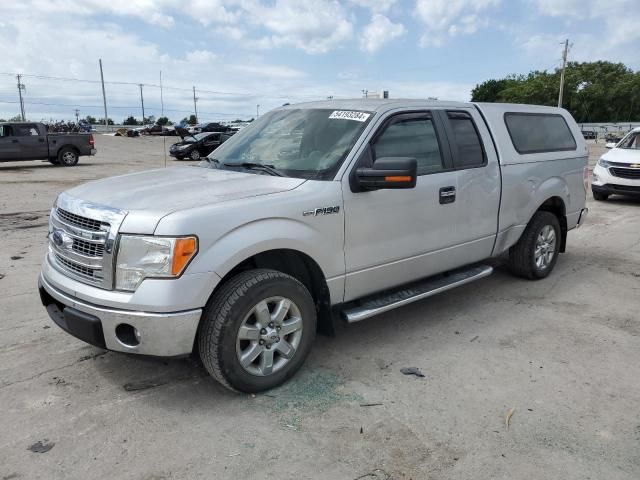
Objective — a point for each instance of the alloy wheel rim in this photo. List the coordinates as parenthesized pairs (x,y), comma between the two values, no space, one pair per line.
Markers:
(545,248)
(68,157)
(269,336)
(195,155)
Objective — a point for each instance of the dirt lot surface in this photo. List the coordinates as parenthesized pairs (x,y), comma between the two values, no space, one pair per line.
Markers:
(562,354)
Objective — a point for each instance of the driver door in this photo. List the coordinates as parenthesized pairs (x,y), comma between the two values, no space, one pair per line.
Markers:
(397,236)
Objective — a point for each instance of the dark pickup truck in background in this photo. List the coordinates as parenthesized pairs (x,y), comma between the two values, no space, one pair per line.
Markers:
(30,141)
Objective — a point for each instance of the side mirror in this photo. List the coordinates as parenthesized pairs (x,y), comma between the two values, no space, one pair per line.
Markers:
(610,145)
(388,172)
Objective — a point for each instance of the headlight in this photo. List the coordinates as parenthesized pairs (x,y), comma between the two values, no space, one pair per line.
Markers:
(183,147)
(604,163)
(151,257)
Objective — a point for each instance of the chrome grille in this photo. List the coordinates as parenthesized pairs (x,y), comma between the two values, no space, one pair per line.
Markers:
(78,269)
(82,222)
(89,249)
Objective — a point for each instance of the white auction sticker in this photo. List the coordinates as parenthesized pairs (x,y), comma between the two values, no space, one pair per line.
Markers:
(349,115)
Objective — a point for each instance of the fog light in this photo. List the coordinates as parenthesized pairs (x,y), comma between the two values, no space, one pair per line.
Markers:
(128,335)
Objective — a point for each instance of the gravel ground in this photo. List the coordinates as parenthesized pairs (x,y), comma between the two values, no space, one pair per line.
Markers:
(561,354)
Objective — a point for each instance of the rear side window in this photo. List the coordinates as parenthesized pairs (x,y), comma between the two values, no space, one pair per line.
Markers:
(411,137)
(539,132)
(467,141)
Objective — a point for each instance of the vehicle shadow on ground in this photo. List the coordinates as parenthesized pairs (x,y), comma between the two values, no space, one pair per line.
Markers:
(32,166)
(622,201)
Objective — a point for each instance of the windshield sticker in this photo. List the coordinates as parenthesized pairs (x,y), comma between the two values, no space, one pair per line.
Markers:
(349,115)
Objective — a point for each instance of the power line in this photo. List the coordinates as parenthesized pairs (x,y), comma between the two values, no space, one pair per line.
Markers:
(153,85)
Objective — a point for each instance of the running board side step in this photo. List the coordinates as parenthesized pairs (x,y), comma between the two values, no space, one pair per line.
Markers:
(417,291)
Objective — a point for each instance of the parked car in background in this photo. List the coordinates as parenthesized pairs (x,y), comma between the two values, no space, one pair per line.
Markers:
(589,134)
(30,141)
(163,130)
(350,207)
(196,146)
(215,127)
(613,137)
(618,170)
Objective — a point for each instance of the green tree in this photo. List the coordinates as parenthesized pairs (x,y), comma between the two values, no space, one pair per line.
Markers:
(163,121)
(17,118)
(91,120)
(593,92)
(109,121)
(130,120)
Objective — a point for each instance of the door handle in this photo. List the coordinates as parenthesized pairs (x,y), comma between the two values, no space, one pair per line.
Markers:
(447,195)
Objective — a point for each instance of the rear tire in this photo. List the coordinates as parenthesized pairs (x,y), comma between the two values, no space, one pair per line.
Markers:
(243,343)
(536,253)
(600,197)
(68,157)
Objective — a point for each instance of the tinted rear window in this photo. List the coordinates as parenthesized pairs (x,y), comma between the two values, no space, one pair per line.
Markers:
(539,132)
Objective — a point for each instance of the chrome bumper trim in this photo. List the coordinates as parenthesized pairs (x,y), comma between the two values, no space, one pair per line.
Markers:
(161,334)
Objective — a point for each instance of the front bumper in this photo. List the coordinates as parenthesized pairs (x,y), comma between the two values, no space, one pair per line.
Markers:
(157,334)
(604,182)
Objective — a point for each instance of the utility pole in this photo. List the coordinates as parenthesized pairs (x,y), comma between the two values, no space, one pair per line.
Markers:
(564,66)
(21,87)
(257,110)
(104,97)
(77,116)
(142,102)
(195,101)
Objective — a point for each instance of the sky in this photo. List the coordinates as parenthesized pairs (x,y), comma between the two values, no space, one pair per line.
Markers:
(243,53)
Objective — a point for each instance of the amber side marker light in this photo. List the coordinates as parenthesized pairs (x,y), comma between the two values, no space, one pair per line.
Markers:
(183,251)
(397,178)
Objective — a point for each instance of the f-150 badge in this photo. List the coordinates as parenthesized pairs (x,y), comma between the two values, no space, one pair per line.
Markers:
(322,211)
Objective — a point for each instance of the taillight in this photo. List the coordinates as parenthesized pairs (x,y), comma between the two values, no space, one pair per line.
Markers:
(91,141)
(585,178)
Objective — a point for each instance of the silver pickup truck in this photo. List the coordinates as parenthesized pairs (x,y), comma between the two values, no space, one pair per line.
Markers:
(315,211)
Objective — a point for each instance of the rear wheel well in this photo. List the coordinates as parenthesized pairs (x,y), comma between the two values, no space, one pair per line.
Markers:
(556,206)
(301,267)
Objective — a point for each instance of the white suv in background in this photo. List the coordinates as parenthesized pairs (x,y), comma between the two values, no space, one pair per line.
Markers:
(618,171)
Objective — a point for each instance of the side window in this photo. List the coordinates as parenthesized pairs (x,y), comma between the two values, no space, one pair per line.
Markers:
(539,132)
(467,141)
(412,137)
(5,131)
(25,130)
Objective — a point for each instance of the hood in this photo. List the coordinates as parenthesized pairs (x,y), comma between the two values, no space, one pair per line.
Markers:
(153,194)
(622,155)
(183,132)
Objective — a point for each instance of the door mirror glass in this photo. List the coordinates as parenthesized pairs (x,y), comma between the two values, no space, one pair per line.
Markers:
(388,172)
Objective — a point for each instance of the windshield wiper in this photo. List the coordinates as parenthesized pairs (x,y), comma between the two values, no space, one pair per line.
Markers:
(270,169)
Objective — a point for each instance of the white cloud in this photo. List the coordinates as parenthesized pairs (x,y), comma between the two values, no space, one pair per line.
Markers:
(315,26)
(448,18)
(615,38)
(381,30)
(374,5)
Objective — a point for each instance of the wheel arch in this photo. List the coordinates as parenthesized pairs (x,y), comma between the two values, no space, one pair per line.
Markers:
(67,145)
(557,206)
(300,266)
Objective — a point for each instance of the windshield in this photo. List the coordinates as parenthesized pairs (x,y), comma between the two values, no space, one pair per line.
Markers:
(631,141)
(304,143)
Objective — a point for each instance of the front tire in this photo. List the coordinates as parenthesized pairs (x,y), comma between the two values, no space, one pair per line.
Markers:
(600,197)
(536,253)
(194,155)
(68,157)
(257,330)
